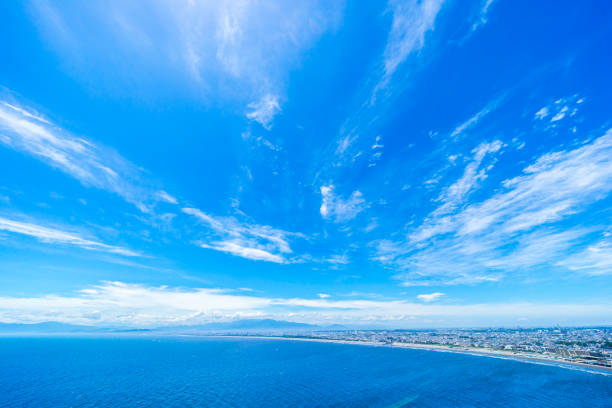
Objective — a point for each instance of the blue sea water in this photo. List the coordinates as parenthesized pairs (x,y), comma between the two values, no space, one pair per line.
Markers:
(194,372)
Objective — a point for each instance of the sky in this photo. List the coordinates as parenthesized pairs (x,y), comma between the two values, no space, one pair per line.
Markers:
(401,164)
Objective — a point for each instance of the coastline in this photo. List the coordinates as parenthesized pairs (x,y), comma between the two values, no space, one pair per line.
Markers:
(597,369)
(500,354)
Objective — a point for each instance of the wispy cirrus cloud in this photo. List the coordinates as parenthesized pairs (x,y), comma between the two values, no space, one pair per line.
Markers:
(512,229)
(134,305)
(336,208)
(473,174)
(255,40)
(57,236)
(163,196)
(264,111)
(97,166)
(92,164)
(595,259)
(412,20)
(240,50)
(474,120)
(456,194)
(247,240)
(245,248)
(482,18)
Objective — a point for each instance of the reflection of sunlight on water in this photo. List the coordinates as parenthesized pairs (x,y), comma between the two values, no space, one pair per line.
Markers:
(403,403)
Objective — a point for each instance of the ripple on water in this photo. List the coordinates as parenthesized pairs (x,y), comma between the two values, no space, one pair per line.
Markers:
(178,372)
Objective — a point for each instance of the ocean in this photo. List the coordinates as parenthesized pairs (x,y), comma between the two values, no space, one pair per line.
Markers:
(208,372)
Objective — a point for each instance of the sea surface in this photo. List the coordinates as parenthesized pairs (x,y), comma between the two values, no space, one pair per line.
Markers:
(205,372)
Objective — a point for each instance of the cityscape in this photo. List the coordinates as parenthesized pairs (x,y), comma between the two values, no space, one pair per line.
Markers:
(590,346)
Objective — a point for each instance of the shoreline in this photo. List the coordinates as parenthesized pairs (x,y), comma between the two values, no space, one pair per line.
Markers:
(443,349)
(500,354)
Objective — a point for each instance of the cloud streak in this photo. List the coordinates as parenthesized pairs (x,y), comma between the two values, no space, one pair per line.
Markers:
(100,167)
(92,164)
(412,20)
(473,174)
(251,241)
(512,229)
(596,259)
(471,122)
(483,14)
(55,236)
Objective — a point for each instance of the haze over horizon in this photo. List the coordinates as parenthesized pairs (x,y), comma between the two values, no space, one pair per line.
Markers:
(402,164)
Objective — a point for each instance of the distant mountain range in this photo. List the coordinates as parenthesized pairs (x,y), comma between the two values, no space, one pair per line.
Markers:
(247,325)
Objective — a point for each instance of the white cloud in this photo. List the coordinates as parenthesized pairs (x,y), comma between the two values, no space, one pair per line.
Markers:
(453,196)
(345,142)
(559,110)
(55,236)
(238,50)
(338,259)
(430,297)
(323,295)
(542,113)
(251,241)
(560,115)
(253,39)
(102,168)
(377,143)
(556,185)
(477,117)
(412,19)
(376,152)
(473,174)
(118,303)
(338,209)
(540,247)
(133,305)
(372,225)
(512,230)
(163,196)
(26,113)
(482,15)
(471,122)
(236,248)
(264,111)
(596,259)
(92,164)
(268,144)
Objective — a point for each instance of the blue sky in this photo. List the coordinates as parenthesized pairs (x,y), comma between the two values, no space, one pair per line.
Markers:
(401,164)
